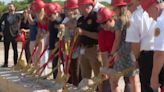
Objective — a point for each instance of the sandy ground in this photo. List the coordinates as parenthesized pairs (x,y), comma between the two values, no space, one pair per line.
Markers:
(19,49)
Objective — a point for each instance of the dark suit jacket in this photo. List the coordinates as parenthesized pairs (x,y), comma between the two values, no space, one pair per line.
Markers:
(10,29)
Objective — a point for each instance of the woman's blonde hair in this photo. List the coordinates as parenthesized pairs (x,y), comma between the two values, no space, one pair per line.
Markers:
(124,16)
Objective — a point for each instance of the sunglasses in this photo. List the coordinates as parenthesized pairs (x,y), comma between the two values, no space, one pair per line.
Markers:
(159,1)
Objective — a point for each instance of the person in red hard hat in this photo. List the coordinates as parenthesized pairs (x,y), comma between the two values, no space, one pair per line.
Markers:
(124,58)
(70,22)
(88,30)
(157,77)
(42,34)
(107,39)
(55,18)
(87,27)
(36,14)
(140,35)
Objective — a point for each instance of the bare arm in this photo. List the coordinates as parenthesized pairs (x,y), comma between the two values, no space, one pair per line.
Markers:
(30,20)
(136,49)
(93,35)
(104,58)
(116,43)
(158,64)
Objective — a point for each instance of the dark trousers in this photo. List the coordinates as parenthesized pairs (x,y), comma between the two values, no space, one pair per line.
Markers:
(54,64)
(7,41)
(145,66)
(27,50)
(73,72)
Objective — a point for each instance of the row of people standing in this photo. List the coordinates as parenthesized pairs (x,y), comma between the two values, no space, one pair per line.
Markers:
(117,39)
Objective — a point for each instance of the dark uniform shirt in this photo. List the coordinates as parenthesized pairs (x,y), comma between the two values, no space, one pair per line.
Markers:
(88,24)
(54,31)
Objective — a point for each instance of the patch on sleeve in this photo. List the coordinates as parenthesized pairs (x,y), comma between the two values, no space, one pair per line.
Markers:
(157,32)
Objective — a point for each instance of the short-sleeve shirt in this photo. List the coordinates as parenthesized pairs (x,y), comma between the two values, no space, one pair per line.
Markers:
(88,24)
(106,40)
(141,29)
(159,38)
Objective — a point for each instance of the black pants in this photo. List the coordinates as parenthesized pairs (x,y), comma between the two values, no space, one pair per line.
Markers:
(7,41)
(54,64)
(145,67)
(27,50)
(73,72)
(161,77)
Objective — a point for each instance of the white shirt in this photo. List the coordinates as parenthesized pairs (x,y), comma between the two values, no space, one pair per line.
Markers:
(66,19)
(141,29)
(159,39)
(97,6)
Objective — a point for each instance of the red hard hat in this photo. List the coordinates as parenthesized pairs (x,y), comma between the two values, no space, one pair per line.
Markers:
(146,4)
(71,4)
(116,3)
(104,14)
(81,2)
(49,8)
(128,1)
(58,7)
(37,5)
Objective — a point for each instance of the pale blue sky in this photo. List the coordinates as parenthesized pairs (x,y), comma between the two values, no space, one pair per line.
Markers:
(7,1)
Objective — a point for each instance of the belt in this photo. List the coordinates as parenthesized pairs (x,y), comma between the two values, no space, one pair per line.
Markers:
(149,51)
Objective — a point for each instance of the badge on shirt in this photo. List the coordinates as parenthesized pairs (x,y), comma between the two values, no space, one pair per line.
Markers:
(89,21)
(157,32)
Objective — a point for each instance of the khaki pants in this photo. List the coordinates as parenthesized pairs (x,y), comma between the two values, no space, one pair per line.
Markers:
(89,61)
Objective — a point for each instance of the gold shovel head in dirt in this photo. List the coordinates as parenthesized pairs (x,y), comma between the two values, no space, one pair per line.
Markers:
(20,65)
(23,63)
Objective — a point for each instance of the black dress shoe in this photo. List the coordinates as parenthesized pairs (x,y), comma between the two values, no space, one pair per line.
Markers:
(5,65)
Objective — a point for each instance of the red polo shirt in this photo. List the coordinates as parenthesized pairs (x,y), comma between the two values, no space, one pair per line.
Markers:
(105,40)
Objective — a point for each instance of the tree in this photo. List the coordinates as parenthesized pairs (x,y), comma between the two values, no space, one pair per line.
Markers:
(2,3)
(2,7)
(29,1)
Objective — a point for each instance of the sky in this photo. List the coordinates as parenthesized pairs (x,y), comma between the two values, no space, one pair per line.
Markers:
(8,1)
